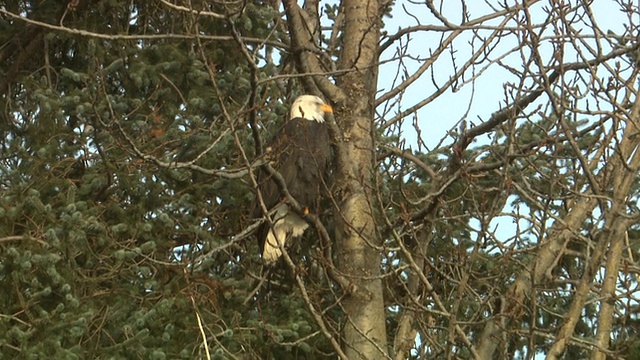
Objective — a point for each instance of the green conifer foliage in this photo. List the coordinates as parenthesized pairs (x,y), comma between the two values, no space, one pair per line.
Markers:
(105,254)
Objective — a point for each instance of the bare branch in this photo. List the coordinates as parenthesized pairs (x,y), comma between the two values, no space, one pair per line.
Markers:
(194,12)
(305,61)
(86,33)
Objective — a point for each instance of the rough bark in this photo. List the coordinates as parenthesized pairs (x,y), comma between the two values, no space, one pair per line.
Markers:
(359,251)
(623,180)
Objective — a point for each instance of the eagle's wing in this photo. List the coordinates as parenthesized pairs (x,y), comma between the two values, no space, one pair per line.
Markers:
(300,152)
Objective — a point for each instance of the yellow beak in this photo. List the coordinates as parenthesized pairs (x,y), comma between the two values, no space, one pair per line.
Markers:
(326,108)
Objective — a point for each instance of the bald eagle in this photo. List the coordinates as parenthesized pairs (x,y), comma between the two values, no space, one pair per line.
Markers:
(301,153)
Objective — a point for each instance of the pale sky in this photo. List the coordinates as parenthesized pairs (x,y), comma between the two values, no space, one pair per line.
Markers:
(487,92)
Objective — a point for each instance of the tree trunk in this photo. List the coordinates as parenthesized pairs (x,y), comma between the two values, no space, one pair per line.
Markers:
(359,250)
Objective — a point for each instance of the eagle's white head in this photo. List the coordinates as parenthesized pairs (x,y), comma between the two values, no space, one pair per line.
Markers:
(310,107)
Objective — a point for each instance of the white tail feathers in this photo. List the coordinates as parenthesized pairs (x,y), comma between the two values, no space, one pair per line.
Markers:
(286,225)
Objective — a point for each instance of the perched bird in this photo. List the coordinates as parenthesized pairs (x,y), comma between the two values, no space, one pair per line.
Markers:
(301,153)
